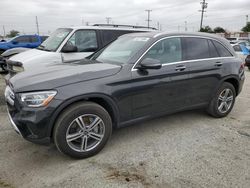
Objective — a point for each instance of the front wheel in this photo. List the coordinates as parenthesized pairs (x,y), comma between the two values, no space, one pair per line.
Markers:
(82,130)
(223,101)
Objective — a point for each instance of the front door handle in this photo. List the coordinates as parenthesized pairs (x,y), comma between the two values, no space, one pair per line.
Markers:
(180,68)
(218,64)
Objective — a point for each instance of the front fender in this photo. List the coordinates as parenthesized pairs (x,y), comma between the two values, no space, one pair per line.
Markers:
(86,97)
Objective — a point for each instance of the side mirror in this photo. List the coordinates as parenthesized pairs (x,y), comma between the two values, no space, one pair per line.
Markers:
(14,42)
(69,48)
(247,60)
(149,63)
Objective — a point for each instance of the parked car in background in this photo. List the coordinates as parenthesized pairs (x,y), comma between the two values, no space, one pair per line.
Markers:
(238,38)
(242,42)
(247,62)
(137,77)
(74,43)
(7,54)
(241,51)
(27,41)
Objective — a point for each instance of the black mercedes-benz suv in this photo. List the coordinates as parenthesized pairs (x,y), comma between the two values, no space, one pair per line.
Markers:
(139,76)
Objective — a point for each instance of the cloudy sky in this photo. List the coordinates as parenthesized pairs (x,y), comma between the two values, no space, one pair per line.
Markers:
(20,14)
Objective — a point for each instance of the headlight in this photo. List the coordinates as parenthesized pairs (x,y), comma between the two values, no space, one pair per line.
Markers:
(17,68)
(37,99)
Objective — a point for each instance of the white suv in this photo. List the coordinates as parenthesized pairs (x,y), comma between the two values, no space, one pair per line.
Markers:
(73,43)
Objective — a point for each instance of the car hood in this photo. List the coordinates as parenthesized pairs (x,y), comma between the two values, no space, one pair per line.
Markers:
(3,44)
(35,58)
(56,75)
(14,51)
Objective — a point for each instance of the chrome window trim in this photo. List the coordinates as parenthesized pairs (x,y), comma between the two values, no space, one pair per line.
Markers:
(177,62)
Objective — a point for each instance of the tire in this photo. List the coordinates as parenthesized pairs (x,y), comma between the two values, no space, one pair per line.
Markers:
(248,68)
(70,121)
(215,104)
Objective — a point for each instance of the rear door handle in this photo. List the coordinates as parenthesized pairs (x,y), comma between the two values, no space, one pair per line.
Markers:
(180,68)
(218,64)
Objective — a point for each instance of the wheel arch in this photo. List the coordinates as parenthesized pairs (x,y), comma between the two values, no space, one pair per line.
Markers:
(103,100)
(234,81)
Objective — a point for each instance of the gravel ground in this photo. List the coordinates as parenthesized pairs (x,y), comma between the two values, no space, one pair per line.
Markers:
(189,149)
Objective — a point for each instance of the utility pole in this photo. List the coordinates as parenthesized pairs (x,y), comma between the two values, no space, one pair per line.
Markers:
(148,20)
(186,26)
(246,19)
(108,19)
(37,26)
(3,31)
(203,7)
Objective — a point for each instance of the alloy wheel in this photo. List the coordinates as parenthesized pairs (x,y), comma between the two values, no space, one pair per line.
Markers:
(225,100)
(85,132)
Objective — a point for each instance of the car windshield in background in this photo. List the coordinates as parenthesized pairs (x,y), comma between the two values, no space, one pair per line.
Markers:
(121,50)
(55,39)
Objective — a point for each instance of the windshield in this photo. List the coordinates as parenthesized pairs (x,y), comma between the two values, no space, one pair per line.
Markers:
(121,50)
(55,39)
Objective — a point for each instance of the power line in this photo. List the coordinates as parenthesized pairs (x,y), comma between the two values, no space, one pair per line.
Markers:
(203,7)
(37,26)
(148,20)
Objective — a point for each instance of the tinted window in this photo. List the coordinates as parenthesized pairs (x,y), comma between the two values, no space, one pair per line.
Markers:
(22,39)
(196,48)
(223,52)
(212,50)
(110,35)
(34,39)
(166,51)
(237,48)
(84,40)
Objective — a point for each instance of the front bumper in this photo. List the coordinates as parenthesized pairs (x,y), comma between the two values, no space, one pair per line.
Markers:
(33,124)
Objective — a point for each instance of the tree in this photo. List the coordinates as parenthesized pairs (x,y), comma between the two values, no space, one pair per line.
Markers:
(206,29)
(246,28)
(12,33)
(219,30)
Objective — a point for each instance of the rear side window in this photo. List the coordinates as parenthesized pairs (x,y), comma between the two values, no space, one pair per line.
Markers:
(223,52)
(195,48)
(237,48)
(34,39)
(110,35)
(212,50)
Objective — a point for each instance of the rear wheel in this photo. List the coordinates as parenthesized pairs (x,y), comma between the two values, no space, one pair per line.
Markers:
(223,102)
(82,130)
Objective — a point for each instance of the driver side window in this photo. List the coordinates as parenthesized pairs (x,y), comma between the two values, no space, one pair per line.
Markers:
(166,51)
(84,40)
(22,39)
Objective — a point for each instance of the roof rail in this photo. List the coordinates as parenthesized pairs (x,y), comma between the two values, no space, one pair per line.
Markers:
(129,26)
